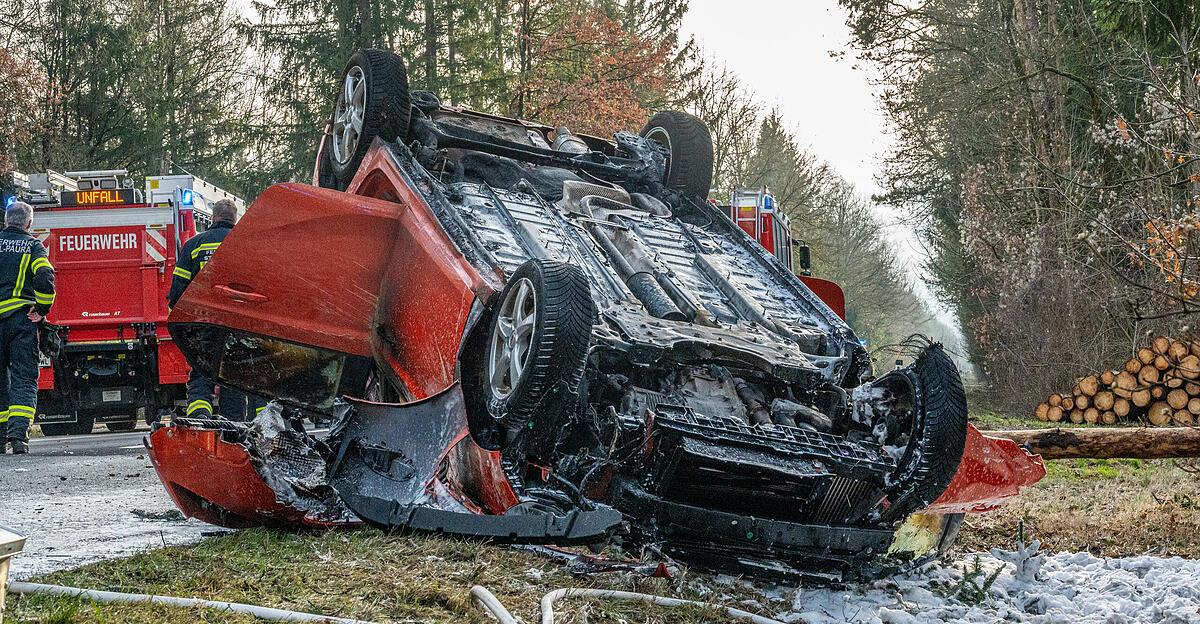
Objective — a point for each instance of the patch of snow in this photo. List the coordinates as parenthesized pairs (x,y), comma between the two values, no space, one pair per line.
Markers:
(1028,587)
(864,400)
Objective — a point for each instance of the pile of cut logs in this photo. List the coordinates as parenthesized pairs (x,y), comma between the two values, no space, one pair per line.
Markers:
(1160,385)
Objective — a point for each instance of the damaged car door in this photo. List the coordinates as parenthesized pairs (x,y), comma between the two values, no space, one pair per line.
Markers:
(285,308)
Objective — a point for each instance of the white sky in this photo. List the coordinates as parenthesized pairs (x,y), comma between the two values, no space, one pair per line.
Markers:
(781,50)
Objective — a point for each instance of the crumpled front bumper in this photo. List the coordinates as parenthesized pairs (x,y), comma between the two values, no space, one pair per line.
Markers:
(399,478)
(214,480)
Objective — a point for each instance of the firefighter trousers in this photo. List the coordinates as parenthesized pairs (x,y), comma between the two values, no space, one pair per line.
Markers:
(18,374)
(233,404)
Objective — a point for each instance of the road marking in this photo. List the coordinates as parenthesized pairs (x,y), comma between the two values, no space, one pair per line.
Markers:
(127,448)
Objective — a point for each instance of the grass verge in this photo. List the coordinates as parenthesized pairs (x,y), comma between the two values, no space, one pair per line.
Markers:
(1107,507)
(359,574)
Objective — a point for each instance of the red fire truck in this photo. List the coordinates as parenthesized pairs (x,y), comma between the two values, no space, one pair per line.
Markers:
(754,211)
(113,248)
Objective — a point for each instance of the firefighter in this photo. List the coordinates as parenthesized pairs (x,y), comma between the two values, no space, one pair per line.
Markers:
(192,257)
(27,276)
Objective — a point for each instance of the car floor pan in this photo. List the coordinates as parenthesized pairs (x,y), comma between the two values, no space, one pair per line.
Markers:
(391,468)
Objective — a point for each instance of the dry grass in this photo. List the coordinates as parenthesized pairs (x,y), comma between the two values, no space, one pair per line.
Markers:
(355,574)
(1106,507)
(1112,508)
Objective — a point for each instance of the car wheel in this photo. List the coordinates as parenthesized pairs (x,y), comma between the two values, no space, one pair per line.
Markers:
(373,101)
(539,339)
(120,426)
(938,430)
(689,151)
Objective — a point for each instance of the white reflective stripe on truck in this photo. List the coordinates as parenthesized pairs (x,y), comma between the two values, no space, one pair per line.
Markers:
(156,245)
(114,217)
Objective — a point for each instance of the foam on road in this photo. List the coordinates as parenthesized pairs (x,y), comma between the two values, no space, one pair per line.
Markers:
(81,499)
(1025,587)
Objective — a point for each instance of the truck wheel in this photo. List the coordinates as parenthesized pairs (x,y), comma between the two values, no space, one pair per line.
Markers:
(539,339)
(689,151)
(120,426)
(83,424)
(938,429)
(373,101)
(56,429)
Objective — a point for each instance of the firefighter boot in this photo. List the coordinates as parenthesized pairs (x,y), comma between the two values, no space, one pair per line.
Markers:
(19,447)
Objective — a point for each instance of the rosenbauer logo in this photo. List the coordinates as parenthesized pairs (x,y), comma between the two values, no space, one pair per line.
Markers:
(97,242)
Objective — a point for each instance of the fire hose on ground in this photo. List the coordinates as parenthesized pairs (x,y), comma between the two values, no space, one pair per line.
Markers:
(265,613)
(484,598)
(489,603)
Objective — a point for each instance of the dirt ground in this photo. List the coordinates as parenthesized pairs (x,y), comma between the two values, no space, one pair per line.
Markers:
(1108,508)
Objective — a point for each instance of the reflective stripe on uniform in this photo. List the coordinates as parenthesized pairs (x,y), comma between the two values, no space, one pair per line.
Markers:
(21,275)
(39,263)
(258,410)
(20,411)
(197,405)
(204,247)
(3,417)
(182,272)
(8,305)
(43,298)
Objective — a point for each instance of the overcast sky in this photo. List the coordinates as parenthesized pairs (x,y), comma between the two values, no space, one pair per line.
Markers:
(781,50)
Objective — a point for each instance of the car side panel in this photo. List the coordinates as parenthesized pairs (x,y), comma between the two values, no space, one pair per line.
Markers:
(428,289)
(303,265)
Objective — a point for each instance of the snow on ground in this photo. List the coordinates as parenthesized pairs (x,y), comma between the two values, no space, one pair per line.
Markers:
(1042,588)
(80,499)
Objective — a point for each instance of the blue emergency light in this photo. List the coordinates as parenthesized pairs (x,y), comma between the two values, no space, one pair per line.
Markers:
(186,197)
(8,201)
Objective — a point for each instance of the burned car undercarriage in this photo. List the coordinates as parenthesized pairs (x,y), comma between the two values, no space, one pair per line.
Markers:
(542,337)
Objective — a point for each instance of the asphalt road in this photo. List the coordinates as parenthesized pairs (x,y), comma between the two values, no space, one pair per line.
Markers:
(84,498)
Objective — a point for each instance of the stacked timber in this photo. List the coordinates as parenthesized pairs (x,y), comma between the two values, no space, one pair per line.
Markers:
(1159,385)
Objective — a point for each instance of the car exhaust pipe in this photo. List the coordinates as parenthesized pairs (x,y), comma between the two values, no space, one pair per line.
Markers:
(631,260)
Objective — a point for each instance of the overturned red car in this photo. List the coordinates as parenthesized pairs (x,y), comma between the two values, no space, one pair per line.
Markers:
(529,335)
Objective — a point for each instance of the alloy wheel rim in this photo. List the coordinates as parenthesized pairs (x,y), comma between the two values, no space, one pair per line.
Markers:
(512,339)
(348,115)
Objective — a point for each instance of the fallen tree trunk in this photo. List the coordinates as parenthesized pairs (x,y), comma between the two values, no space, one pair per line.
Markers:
(1087,443)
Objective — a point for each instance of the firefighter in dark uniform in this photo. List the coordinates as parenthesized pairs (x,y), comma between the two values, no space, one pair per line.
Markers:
(27,287)
(194,254)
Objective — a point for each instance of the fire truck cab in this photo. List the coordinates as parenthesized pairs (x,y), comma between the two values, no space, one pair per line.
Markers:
(754,210)
(113,248)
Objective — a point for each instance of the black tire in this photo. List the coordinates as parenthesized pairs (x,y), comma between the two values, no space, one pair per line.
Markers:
(386,111)
(561,337)
(83,424)
(325,177)
(127,425)
(939,436)
(56,429)
(690,151)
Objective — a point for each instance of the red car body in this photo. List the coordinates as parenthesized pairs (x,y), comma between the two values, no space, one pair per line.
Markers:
(373,302)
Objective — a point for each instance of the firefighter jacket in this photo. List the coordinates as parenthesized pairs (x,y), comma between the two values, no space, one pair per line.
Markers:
(194,255)
(26,275)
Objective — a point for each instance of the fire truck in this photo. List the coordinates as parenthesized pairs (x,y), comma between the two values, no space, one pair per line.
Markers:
(113,247)
(754,210)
